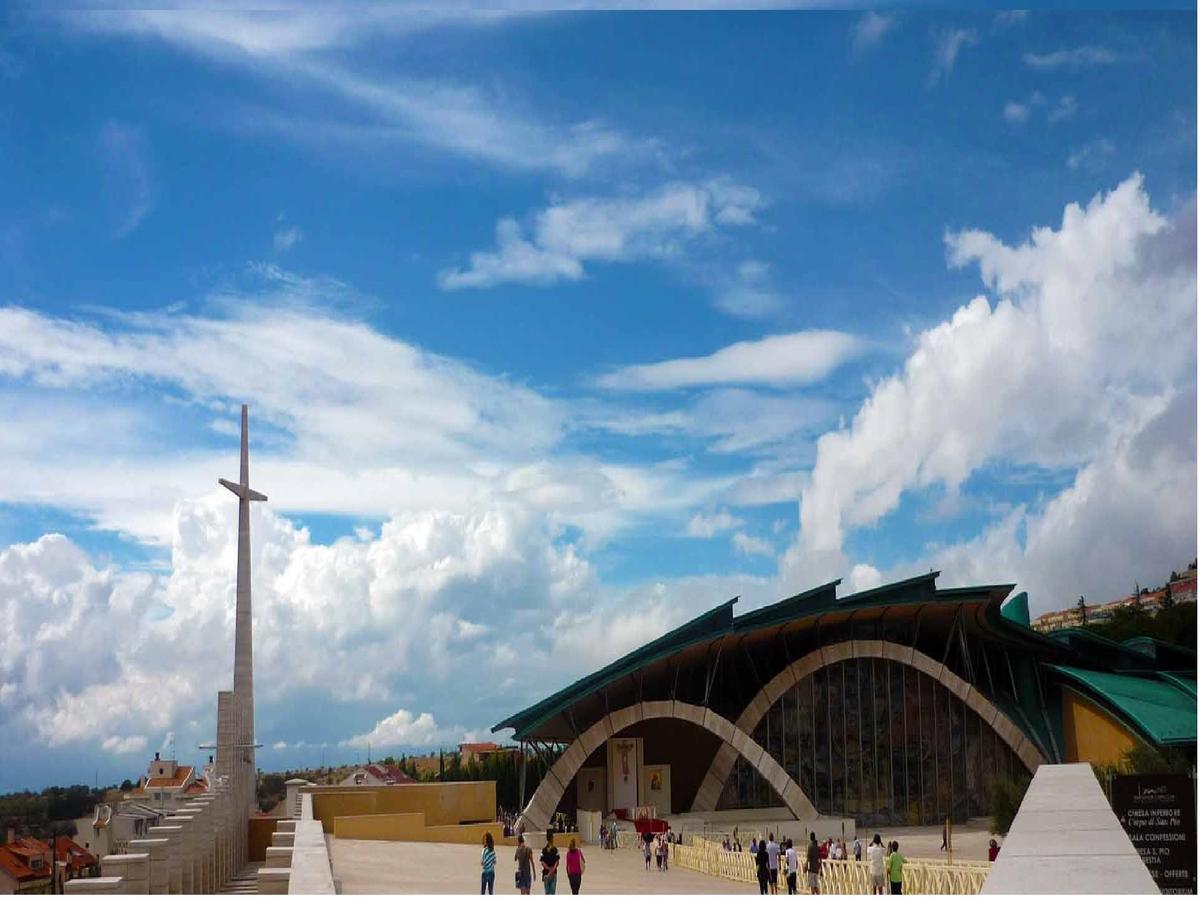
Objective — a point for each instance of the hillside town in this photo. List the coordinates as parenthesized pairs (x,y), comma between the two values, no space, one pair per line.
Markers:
(1182,587)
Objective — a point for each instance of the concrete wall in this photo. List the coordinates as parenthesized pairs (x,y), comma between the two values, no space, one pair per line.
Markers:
(259,830)
(1090,734)
(440,803)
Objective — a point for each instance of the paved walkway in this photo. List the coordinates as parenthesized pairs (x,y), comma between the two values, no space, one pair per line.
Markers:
(385,867)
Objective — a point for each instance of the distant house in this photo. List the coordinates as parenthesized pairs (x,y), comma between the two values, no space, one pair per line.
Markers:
(26,867)
(376,774)
(168,784)
(109,830)
(476,752)
(19,874)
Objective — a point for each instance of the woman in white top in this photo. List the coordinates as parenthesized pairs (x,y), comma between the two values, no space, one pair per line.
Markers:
(876,864)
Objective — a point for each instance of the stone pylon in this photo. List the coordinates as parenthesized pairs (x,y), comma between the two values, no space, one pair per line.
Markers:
(243,712)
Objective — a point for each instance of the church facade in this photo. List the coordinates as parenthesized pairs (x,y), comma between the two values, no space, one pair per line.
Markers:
(898,705)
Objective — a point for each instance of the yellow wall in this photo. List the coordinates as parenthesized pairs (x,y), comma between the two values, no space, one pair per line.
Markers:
(412,827)
(1091,734)
(441,803)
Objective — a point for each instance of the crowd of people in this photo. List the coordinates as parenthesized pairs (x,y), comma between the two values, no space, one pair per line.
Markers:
(885,863)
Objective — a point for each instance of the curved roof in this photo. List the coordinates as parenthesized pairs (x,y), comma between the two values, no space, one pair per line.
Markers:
(1164,710)
(720,622)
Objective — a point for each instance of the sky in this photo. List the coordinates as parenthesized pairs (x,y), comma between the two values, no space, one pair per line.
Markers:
(558,329)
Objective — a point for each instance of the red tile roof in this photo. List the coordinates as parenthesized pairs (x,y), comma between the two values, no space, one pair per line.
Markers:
(15,867)
(182,774)
(486,747)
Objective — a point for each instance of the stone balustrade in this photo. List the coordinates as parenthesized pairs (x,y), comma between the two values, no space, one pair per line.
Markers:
(279,857)
(174,834)
(156,861)
(132,868)
(107,884)
(274,880)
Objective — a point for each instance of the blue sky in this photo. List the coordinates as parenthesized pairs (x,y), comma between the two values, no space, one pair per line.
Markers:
(556,330)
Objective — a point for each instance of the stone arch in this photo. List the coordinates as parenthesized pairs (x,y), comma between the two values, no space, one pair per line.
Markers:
(542,805)
(724,760)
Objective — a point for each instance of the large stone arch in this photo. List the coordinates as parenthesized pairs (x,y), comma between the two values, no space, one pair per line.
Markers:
(542,805)
(724,759)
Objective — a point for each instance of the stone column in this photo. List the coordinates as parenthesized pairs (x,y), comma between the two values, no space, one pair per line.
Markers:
(202,845)
(188,851)
(109,884)
(157,863)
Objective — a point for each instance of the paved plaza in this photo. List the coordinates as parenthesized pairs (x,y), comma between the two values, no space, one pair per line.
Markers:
(386,867)
(394,867)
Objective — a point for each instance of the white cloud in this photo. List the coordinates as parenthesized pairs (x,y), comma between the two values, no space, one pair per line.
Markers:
(567,234)
(129,188)
(1009,18)
(1053,374)
(802,357)
(287,238)
(706,525)
(948,44)
(1016,112)
(404,729)
(870,29)
(749,293)
(1073,58)
(1065,108)
(303,50)
(119,745)
(752,546)
(1091,156)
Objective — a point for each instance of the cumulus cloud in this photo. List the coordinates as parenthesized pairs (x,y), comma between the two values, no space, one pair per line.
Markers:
(404,729)
(1078,312)
(752,546)
(121,745)
(802,357)
(567,234)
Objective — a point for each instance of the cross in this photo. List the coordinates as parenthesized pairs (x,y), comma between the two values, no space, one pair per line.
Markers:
(242,490)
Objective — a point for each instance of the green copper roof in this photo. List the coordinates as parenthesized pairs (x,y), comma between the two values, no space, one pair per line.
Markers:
(1165,712)
(721,621)
(1016,610)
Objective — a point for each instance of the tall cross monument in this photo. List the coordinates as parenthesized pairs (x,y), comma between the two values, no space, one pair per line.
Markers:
(244,673)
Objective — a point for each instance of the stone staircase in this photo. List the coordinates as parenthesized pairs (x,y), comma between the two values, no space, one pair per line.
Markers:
(245,882)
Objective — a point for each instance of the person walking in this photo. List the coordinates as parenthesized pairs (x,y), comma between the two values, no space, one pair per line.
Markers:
(813,863)
(994,849)
(790,866)
(876,865)
(647,850)
(773,862)
(943,846)
(897,863)
(761,865)
(488,866)
(574,863)
(857,848)
(524,857)
(550,863)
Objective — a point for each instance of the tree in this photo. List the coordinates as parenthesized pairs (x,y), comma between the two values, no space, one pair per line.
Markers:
(1005,797)
(1081,610)
(1166,602)
(127,785)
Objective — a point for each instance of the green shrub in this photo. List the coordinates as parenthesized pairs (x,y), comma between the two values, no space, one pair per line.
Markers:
(1005,796)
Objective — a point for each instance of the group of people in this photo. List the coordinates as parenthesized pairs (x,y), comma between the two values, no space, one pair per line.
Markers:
(657,845)
(884,863)
(523,857)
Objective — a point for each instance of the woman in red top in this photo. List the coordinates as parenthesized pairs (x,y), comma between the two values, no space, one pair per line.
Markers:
(994,849)
(575,865)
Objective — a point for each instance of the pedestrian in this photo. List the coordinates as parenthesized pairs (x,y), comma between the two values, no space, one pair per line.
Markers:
(761,865)
(550,863)
(667,849)
(876,865)
(524,857)
(857,848)
(813,863)
(994,849)
(825,849)
(896,863)
(488,865)
(790,866)
(773,862)
(647,850)
(575,863)
(943,846)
